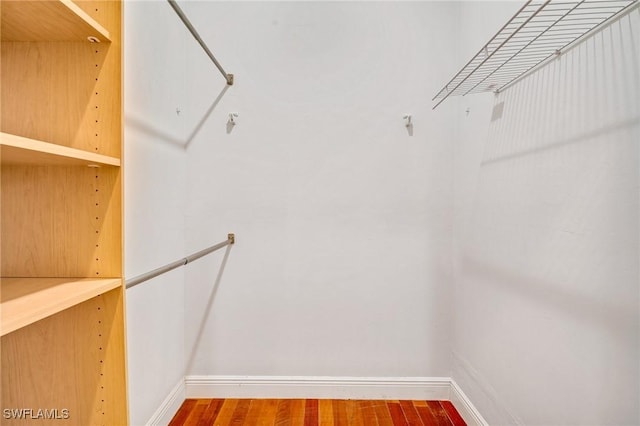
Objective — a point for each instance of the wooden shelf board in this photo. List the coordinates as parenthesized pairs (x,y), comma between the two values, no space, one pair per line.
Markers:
(51,20)
(24,151)
(24,301)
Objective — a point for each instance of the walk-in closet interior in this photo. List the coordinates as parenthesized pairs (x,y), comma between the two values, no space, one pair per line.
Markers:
(320,200)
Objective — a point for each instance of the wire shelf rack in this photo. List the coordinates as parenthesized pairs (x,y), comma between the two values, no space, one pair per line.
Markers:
(540,30)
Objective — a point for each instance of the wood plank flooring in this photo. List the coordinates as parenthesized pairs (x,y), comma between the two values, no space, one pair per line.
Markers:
(310,412)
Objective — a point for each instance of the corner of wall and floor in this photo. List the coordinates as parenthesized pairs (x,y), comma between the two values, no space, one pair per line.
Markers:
(530,232)
(414,388)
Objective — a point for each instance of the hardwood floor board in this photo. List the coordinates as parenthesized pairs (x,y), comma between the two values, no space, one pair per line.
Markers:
(354,416)
(410,413)
(427,417)
(453,414)
(196,413)
(438,412)
(283,413)
(268,413)
(226,412)
(211,412)
(311,412)
(368,413)
(254,412)
(325,412)
(382,413)
(183,413)
(397,416)
(340,412)
(297,412)
(239,416)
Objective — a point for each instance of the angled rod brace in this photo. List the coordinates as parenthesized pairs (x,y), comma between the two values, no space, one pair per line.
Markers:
(194,33)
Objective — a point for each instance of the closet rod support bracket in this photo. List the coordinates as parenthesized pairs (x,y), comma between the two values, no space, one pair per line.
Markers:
(231,238)
(229,79)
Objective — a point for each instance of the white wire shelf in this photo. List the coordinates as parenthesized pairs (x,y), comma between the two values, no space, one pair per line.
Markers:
(540,30)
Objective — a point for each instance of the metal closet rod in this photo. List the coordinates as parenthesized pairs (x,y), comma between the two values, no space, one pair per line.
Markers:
(194,33)
(231,239)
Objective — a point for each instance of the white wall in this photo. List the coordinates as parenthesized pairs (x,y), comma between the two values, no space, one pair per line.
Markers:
(547,281)
(361,249)
(155,173)
(342,265)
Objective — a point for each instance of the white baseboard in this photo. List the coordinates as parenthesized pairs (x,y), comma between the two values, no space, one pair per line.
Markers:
(317,387)
(465,407)
(421,388)
(484,395)
(169,406)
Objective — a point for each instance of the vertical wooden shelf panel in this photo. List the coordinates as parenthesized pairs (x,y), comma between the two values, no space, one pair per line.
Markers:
(61,221)
(61,211)
(63,92)
(70,361)
(28,20)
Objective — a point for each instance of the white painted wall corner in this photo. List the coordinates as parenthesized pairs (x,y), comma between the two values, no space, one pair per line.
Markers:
(169,406)
(465,407)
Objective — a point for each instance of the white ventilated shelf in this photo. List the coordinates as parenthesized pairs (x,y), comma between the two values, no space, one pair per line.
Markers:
(537,32)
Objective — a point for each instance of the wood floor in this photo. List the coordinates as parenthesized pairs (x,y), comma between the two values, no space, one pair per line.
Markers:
(307,412)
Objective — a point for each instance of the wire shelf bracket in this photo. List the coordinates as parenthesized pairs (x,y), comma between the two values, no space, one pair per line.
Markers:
(540,30)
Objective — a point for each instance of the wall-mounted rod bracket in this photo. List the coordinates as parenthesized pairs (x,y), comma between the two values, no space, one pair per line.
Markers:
(231,238)
(194,33)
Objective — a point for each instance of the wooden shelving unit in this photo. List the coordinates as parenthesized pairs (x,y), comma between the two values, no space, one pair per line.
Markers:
(62,294)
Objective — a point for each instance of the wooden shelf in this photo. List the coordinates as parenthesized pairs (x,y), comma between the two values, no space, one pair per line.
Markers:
(57,20)
(18,150)
(26,300)
(63,338)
